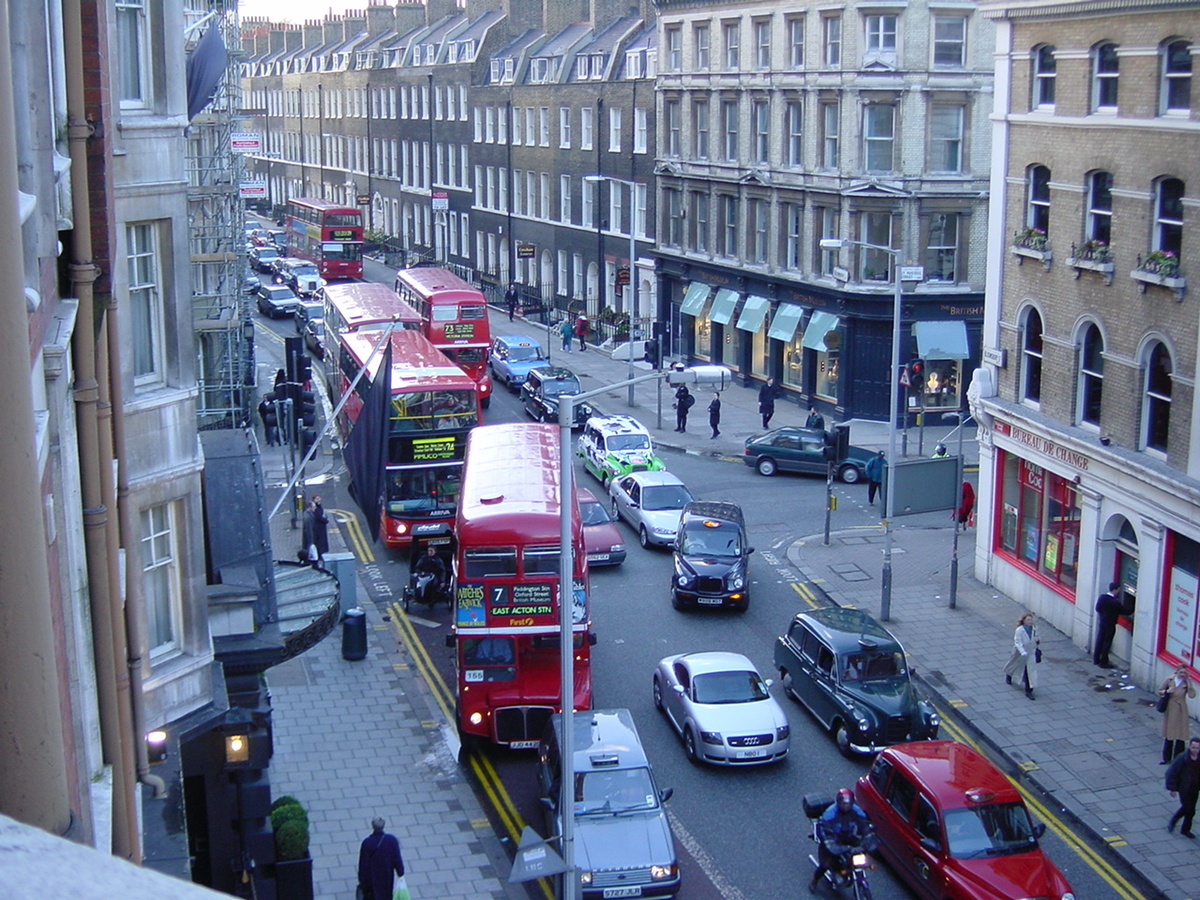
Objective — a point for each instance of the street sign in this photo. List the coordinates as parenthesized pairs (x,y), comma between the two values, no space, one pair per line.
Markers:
(440,200)
(622,276)
(535,859)
(362,199)
(841,273)
(252,189)
(912,273)
(525,251)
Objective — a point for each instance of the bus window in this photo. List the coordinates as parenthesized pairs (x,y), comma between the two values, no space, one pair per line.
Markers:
(489,659)
(472,311)
(542,560)
(445,314)
(483,562)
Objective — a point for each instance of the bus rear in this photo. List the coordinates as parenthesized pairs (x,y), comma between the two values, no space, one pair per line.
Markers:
(506,567)
(328,234)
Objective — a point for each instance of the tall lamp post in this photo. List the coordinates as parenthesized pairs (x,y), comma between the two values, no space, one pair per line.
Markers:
(596,179)
(885,602)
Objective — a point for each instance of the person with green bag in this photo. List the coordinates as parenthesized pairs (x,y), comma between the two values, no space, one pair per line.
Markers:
(379,863)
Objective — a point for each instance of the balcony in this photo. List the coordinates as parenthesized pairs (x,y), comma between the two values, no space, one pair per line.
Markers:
(1093,256)
(1032,243)
(1161,268)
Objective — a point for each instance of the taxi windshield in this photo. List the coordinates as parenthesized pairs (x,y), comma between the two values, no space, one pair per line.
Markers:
(525,352)
(613,791)
(873,665)
(994,829)
(699,539)
(624,443)
(557,387)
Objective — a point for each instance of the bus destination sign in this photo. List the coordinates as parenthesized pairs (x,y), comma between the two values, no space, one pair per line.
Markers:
(434,449)
(342,234)
(527,605)
(459,331)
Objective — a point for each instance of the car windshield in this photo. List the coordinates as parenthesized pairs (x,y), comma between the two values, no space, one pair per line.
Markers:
(994,829)
(304,270)
(665,496)
(525,354)
(594,513)
(728,687)
(873,665)
(613,791)
(700,539)
(624,443)
(558,387)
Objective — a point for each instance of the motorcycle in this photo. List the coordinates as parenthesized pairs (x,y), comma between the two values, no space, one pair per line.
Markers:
(849,869)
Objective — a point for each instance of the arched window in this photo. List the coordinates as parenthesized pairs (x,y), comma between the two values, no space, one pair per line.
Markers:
(1037,213)
(1091,375)
(1105,72)
(1099,211)
(1168,215)
(1044,71)
(1031,357)
(1157,407)
(1175,91)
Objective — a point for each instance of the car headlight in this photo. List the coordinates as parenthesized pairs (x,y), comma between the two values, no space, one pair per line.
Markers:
(711,737)
(737,581)
(1069,895)
(782,733)
(664,531)
(664,873)
(617,548)
(585,878)
(863,723)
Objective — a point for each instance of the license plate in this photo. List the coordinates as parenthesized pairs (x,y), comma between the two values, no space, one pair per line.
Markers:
(598,557)
(523,745)
(750,754)
(622,892)
(709,601)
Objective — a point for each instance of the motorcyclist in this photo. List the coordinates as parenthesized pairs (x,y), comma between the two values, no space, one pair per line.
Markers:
(840,829)
(431,566)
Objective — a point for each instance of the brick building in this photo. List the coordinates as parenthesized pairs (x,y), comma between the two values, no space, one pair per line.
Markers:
(1089,461)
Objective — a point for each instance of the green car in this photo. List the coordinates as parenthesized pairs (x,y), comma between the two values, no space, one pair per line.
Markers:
(612,446)
(791,449)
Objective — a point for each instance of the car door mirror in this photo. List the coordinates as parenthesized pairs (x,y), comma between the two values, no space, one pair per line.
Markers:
(547,802)
(679,689)
(749,550)
(665,794)
(1039,829)
(931,845)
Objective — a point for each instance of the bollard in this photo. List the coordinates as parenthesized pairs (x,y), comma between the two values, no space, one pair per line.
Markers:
(354,635)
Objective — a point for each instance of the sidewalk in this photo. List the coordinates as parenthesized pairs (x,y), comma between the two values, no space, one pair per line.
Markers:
(1090,741)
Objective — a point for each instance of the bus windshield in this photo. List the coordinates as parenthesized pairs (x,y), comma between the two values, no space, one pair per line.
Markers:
(433,411)
(430,491)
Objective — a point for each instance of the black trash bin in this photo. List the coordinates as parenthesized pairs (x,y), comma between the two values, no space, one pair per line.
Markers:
(354,634)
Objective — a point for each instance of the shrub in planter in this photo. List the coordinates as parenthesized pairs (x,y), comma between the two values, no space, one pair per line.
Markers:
(289,821)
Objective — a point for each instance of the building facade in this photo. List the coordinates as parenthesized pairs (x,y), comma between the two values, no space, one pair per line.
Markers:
(1089,459)
(780,127)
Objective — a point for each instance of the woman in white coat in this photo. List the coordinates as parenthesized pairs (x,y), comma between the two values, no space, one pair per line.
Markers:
(1024,659)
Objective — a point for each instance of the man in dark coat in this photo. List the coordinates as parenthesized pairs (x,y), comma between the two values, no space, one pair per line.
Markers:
(316,530)
(714,415)
(766,401)
(270,421)
(379,861)
(815,419)
(510,299)
(1183,778)
(1108,610)
(875,467)
(683,402)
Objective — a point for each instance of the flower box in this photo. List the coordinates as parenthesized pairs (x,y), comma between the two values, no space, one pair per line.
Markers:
(1106,268)
(1045,256)
(1176,283)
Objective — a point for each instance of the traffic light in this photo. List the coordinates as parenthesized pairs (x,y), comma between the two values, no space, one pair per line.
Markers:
(303,369)
(916,376)
(293,352)
(652,354)
(830,449)
(305,408)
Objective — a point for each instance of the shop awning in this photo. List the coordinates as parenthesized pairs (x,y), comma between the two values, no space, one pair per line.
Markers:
(819,325)
(723,306)
(783,326)
(941,340)
(694,299)
(753,313)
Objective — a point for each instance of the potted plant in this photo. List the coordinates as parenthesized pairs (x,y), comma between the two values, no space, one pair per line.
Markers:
(1160,262)
(293,864)
(1030,239)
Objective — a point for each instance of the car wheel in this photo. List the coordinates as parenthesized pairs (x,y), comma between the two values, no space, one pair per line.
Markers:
(785,678)
(850,474)
(842,736)
(766,466)
(657,694)
(689,744)
(676,603)
(485,402)
(644,536)
(616,511)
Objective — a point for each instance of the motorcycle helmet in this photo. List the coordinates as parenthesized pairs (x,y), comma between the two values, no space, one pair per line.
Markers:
(845,799)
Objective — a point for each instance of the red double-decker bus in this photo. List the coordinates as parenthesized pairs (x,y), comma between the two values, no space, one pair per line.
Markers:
(328,234)
(455,317)
(433,407)
(360,306)
(506,572)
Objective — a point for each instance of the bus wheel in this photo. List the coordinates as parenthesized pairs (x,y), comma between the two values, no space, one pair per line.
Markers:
(485,402)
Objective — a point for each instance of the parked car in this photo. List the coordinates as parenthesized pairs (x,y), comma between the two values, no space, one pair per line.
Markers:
(651,503)
(722,708)
(314,337)
(512,356)
(298,274)
(278,237)
(793,449)
(601,535)
(954,827)
(712,557)
(275,300)
(542,388)
(623,841)
(307,309)
(262,255)
(852,675)
(612,446)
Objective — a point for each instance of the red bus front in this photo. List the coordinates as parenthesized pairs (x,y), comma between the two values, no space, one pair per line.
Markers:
(506,588)
(455,317)
(327,234)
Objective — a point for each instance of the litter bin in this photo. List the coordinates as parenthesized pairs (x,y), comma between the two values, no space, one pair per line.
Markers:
(354,634)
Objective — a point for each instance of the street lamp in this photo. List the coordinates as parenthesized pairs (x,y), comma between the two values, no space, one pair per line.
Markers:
(596,179)
(885,603)
(721,378)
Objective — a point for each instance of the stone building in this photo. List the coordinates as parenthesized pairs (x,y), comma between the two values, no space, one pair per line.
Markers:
(1089,461)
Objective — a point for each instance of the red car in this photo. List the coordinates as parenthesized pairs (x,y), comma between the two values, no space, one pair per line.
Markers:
(605,546)
(954,827)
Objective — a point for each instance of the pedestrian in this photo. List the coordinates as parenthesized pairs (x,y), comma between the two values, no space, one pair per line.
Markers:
(316,531)
(581,330)
(510,299)
(874,469)
(567,330)
(1178,687)
(270,421)
(766,401)
(714,415)
(1025,656)
(683,402)
(965,514)
(1183,778)
(940,452)
(379,862)
(815,420)
(280,378)
(1108,610)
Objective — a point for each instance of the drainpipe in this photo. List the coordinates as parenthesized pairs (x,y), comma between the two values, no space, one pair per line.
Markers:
(33,779)
(108,639)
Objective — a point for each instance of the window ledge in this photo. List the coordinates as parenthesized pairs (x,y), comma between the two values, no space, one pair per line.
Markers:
(1105,268)
(1043,256)
(1176,283)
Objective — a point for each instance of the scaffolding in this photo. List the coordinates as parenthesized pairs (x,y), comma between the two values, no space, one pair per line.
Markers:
(221,313)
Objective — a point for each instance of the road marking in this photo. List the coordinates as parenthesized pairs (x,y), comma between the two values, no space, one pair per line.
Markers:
(706,863)
(353,532)
(806,593)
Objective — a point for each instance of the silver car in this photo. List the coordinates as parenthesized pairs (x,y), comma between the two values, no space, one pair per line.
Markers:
(722,708)
(651,502)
